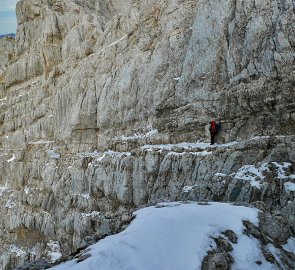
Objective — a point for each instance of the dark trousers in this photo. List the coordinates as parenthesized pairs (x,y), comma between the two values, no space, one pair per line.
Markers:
(212,137)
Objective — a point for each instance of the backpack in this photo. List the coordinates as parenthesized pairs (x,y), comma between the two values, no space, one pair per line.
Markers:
(218,127)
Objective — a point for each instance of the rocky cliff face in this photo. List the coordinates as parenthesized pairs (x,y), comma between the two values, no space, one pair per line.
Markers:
(86,77)
(6,54)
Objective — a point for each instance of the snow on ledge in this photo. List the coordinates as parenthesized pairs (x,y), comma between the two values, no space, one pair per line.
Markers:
(152,132)
(220,174)
(100,155)
(281,170)
(202,153)
(41,142)
(113,43)
(186,145)
(11,159)
(289,186)
(174,236)
(252,174)
(187,189)
(92,214)
(256,174)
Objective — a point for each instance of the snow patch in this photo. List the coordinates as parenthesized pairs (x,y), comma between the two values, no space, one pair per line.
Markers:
(187,189)
(173,236)
(152,132)
(252,174)
(41,142)
(17,251)
(281,170)
(112,44)
(4,189)
(289,186)
(26,190)
(100,156)
(256,174)
(201,154)
(290,246)
(11,159)
(187,145)
(260,137)
(220,174)
(54,253)
(277,254)
(92,214)
(199,144)
(33,251)
(247,252)
(53,154)
(45,213)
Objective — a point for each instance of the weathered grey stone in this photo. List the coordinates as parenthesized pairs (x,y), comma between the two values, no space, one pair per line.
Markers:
(85,77)
(231,236)
(6,55)
(219,258)
(218,261)
(278,230)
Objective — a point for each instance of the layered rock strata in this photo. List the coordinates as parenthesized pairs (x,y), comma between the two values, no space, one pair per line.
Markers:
(86,77)
(77,199)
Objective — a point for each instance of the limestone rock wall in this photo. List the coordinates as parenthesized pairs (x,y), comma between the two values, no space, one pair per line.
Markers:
(86,84)
(76,199)
(171,65)
(7,54)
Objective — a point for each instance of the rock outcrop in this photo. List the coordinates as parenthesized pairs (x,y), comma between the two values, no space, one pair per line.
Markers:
(6,54)
(86,86)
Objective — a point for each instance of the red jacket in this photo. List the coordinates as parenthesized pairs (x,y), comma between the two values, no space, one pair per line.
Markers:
(213,128)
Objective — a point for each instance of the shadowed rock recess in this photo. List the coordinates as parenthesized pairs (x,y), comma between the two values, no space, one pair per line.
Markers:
(97,98)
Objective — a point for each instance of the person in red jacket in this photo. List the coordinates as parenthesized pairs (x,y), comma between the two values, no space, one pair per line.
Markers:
(213,129)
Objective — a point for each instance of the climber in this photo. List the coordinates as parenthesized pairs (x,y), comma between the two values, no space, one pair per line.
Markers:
(214,128)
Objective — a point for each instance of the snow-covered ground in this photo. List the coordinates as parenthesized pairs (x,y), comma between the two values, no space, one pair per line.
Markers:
(187,145)
(174,236)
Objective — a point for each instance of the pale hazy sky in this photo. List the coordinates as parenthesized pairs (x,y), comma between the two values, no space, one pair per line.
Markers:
(7,16)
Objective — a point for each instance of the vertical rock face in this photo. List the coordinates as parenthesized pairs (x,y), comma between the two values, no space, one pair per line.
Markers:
(7,52)
(116,67)
(83,77)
